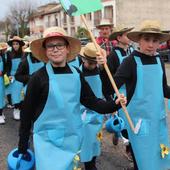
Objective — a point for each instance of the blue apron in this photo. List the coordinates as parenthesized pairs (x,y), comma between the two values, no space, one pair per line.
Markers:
(33,67)
(74,62)
(93,122)
(15,87)
(58,130)
(122,89)
(148,103)
(2,87)
(169,104)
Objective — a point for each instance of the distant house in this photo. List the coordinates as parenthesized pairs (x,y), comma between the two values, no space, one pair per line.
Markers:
(52,14)
(120,12)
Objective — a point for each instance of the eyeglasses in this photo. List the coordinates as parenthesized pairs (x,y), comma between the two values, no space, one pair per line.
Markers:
(60,46)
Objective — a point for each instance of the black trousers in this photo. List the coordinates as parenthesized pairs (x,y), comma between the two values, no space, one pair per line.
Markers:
(91,165)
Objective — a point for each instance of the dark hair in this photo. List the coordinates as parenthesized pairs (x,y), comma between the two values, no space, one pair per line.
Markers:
(16,53)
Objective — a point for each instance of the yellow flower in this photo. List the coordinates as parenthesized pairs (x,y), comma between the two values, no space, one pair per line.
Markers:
(100,136)
(76,158)
(164,150)
(75,168)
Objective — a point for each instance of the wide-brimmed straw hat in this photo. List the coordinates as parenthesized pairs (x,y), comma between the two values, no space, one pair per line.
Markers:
(16,38)
(149,27)
(39,51)
(119,31)
(104,22)
(89,52)
(27,50)
(3,46)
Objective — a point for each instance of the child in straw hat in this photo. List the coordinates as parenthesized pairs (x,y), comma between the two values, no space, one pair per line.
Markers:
(92,120)
(14,57)
(27,67)
(3,47)
(52,103)
(119,53)
(143,72)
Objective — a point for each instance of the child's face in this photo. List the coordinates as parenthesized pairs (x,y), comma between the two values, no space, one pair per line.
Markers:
(123,39)
(90,65)
(148,44)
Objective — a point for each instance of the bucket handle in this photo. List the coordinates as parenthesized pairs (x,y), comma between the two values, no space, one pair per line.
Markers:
(18,161)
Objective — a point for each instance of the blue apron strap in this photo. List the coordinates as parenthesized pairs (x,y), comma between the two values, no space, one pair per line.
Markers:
(55,88)
(28,58)
(81,67)
(119,56)
(139,91)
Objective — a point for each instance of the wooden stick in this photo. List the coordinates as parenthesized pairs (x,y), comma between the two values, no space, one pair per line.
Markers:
(109,75)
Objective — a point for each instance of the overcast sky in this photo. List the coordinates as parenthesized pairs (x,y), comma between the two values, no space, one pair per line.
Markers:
(5,5)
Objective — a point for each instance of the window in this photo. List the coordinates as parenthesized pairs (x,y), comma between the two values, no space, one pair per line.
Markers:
(97,17)
(108,12)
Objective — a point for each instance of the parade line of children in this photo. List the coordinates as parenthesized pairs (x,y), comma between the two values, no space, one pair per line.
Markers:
(62,91)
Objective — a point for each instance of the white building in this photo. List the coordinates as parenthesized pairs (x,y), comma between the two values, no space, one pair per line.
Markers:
(53,15)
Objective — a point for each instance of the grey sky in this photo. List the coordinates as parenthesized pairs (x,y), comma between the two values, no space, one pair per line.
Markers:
(6,3)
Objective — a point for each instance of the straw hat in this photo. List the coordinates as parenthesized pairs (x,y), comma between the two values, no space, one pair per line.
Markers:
(27,50)
(119,31)
(16,38)
(3,46)
(149,27)
(40,52)
(89,52)
(104,22)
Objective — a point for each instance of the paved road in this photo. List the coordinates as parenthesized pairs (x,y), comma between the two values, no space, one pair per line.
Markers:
(112,157)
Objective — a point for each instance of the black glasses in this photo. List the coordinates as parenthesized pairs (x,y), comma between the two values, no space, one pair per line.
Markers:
(59,46)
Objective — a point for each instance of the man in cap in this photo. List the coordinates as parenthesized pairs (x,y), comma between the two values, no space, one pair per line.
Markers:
(105,29)
(52,103)
(143,73)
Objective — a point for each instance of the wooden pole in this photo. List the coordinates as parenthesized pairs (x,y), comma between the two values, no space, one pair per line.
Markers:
(109,75)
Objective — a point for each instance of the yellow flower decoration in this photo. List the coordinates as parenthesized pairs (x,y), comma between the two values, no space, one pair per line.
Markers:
(75,168)
(76,158)
(6,80)
(99,136)
(76,162)
(164,150)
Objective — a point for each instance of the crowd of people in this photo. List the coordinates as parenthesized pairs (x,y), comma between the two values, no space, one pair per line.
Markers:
(62,91)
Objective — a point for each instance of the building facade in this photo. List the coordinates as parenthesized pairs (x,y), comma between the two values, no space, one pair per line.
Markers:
(119,12)
(52,14)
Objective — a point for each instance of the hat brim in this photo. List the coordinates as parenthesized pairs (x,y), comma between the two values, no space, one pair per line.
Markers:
(85,56)
(135,36)
(114,35)
(39,51)
(104,25)
(11,41)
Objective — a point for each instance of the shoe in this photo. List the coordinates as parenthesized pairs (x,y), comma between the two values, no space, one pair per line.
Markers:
(3,116)
(10,106)
(16,114)
(2,120)
(124,141)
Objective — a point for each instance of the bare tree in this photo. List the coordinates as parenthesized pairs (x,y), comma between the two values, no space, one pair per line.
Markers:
(19,14)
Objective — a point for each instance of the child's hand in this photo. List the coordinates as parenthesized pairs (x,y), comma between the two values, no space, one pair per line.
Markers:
(121,99)
(101,57)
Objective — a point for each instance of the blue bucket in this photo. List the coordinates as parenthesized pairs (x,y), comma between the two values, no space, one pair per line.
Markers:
(17,161)
(115,124)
